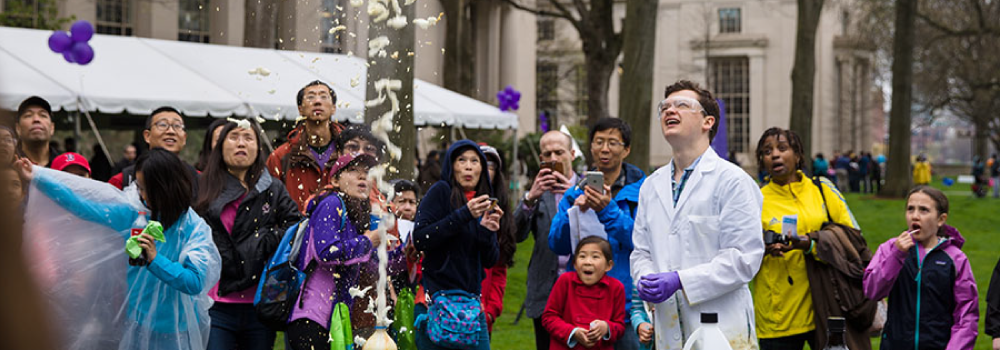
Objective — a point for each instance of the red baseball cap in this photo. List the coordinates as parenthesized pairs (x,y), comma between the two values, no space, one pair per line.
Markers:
(70,158)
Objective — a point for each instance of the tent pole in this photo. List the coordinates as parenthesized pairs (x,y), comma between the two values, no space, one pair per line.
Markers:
(514,167)
(100,140)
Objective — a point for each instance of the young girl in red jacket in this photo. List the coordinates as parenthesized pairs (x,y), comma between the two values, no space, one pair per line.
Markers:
(586,307)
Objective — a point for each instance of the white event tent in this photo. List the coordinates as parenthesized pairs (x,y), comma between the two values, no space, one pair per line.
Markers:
(136,75)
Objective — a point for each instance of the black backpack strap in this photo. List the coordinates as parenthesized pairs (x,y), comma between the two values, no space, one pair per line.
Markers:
(819,185)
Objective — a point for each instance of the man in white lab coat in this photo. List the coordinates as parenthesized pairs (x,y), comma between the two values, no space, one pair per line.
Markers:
(697,232)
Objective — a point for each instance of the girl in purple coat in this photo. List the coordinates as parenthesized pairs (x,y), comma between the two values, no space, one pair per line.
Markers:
(933,301)
(337,240)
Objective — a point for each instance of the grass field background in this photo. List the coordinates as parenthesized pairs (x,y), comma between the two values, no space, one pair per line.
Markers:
(880,219)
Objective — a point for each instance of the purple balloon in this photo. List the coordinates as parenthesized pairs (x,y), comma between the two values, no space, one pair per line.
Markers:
(68,55)
(515,106)
(59,41)
(82,31)
(82,53)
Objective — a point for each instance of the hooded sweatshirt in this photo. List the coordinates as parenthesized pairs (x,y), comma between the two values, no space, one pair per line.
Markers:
(933,300)
(457,248)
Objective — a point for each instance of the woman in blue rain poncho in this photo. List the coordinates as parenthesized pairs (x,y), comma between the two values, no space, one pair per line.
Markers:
(165,299)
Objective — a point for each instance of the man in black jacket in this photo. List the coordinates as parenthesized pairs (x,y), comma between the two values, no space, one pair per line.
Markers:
(993,308)
(534,214)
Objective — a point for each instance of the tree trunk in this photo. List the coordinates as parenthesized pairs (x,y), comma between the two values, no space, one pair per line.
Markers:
(401,43)
(459,57)
(261,24)
(981,138)
(898,179)
(804,71)
(635,97)
(599,70)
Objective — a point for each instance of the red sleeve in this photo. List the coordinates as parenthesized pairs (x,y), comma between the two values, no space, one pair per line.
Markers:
(493,288)
(616,325)
(274,165)
(554,308)
(116,181)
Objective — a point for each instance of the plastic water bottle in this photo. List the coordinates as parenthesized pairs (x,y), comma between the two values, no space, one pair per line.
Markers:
(137,226)
(708,336)
(835,334)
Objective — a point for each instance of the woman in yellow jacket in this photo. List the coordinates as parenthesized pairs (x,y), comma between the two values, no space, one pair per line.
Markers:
(792,207)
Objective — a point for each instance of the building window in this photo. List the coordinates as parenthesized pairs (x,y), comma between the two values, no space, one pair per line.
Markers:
(729,20)
(27,13)
(581,90)
(192,21)
(546,29)
(333,11)
(114,17)
(731,83)
(546,85)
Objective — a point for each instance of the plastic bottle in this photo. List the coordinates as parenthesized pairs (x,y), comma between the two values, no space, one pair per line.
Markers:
(708,336)
(137,226)
(835,334)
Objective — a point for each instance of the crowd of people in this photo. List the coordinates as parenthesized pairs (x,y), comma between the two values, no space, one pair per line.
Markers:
(621,260)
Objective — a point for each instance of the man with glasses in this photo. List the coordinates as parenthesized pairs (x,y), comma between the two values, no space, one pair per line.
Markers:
(164,129)
(697,234)
(35,129)
(615,206)
(303,162)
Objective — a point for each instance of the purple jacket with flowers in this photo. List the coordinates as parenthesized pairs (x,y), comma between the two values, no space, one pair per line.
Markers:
(334,250)
(933,289)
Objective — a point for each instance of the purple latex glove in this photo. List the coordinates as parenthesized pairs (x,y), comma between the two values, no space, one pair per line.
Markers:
(657,287)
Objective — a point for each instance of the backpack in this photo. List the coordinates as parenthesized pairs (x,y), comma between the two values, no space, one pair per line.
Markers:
(281,282)
(453,319)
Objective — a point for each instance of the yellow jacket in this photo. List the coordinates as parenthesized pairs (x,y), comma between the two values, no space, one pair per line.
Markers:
(921,173)
(781,297)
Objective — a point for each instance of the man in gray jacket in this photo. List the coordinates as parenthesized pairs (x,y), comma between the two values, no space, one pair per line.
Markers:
(534,214)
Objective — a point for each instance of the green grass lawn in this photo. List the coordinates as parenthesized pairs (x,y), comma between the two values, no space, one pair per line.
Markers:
(880,219)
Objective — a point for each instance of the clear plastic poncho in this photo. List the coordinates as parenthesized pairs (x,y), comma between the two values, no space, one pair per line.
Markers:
(74,240)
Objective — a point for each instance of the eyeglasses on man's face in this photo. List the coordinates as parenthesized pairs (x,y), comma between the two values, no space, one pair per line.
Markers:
(162,126)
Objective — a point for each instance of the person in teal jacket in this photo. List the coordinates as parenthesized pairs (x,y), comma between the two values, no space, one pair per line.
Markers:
(166,297)
(609,145)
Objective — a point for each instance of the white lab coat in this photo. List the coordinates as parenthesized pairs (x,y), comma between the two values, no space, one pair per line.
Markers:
(712,238)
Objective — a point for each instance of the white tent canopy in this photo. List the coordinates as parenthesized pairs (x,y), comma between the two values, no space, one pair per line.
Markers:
(136,75)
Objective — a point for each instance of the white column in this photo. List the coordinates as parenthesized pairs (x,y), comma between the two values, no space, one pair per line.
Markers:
(517,62)
(226,19)
(156,19)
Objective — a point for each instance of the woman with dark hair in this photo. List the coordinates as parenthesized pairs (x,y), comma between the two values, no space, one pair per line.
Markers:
(338,242)
(249,212)
(8,145)
(495,283)
(166,302)
(787,314)
(208,144)
(456,229)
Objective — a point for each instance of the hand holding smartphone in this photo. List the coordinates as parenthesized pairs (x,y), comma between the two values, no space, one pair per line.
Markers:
(594,180)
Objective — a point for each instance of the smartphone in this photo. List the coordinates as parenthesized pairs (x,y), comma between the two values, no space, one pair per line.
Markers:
(554,165)
(595,180)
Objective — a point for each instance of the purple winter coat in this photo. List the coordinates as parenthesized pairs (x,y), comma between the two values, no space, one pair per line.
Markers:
(334,249)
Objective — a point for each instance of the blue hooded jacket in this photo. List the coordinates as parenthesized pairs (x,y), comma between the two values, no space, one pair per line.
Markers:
(457,248)
(618,218)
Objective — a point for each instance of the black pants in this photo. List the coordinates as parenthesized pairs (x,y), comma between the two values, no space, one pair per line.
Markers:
(305,334)
(792,342)
(541,335)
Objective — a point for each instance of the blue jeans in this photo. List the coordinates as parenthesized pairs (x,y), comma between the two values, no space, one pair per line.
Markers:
(235,326)
(629,339)
(424,341)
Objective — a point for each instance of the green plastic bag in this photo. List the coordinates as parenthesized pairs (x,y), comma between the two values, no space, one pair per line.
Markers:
(341,337)
(153,228)
(403,322)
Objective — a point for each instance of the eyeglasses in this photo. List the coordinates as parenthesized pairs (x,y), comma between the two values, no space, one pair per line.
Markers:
(680,104)
(354,147)
(7,140)
(599,143)
(321,97)
(162,126)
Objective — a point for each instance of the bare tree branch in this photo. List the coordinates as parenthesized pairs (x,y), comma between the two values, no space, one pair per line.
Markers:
(539,12)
